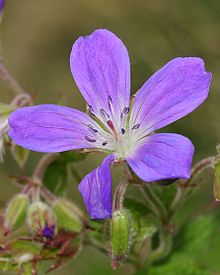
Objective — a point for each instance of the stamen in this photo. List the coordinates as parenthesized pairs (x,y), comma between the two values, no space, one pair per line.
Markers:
(91,110)
(90,139)
(136,126)
(104,143)
(104,114)
(122,131)
(125,111)
(92,128)
(109,102)
(110,124)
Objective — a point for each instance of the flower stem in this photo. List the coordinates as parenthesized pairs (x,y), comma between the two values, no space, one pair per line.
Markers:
(44,162)
(119,194)
(185,186)
(164,248)
(7,77)
(154,202)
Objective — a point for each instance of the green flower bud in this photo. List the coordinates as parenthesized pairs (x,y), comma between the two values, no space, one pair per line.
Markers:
(69,216)
(121,234)
(41,220)
(16,212)
(216,186)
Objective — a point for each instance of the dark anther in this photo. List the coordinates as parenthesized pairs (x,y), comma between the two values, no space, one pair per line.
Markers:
(104,143)
(91,110)
(104,114)
(136,126)
(109,102)
(90,139)
(109,99)
(122,131)
(126,110)
(93,129)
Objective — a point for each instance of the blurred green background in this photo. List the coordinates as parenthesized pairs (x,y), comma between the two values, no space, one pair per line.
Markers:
(37,39)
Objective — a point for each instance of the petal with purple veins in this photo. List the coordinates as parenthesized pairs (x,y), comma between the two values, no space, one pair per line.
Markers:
(96,189)
(171,93)
(50,128)
(162,156)
(101,68)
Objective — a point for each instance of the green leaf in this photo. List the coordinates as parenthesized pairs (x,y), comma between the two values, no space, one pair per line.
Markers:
(71,156)
(195,251)
(55,178)
(137,208)
(166,193)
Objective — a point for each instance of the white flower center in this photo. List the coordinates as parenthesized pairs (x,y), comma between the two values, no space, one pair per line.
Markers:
(114,134)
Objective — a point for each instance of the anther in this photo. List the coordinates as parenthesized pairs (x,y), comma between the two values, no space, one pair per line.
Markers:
(126,110)
(104,143)
(91,110)
(92,128)
(109,99)
(122,131)
(90,139)
(104,114)
(136,126)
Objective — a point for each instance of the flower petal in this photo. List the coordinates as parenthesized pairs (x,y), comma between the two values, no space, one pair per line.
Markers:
(50,128)
(101,68)
(96,189)
(171,93)
(162,156)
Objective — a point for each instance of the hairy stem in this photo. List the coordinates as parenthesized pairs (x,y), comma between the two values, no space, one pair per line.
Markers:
(155,203)
(185,186)
(7,77)
(44,162)
(163,250)
(119,194)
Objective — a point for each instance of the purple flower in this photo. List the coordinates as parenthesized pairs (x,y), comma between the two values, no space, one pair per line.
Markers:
(101,69)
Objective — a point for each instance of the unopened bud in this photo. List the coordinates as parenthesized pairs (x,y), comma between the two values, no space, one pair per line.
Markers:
(216,186)
(16,212)
(121,233)
(41,220)
(68,215)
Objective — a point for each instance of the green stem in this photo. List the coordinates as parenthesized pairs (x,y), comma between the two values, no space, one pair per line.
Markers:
(163,250)
(76,175)
(120,194)
(155,203)
(42,165)
(7,77)
(185,187)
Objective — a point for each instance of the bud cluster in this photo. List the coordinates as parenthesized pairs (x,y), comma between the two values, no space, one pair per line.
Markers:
(43,218)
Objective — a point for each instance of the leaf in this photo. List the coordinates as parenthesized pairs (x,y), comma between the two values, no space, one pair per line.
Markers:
(166,193)
(55,178)
(195,251)
(136,208)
